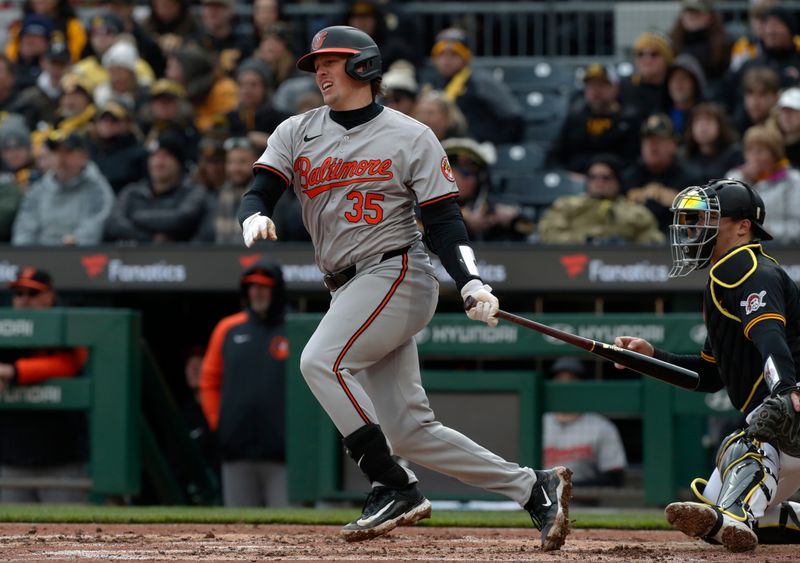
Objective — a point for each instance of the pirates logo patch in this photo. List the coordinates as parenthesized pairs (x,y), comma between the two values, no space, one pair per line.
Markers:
(753,302)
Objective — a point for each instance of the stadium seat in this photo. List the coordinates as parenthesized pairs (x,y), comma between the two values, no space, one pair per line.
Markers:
(537,191)
(518,159)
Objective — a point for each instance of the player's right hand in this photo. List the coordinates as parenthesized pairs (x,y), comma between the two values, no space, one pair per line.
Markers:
(257,227)
(485,304)
(633,343)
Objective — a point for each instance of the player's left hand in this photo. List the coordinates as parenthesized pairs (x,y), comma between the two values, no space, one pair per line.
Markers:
(486,304)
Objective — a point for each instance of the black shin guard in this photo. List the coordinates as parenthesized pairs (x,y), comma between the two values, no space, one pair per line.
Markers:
(368,448)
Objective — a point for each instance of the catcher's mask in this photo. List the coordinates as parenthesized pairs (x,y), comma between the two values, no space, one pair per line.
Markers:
(697,212)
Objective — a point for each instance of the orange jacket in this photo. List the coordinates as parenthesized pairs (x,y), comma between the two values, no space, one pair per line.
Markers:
(48,364)
(211,372)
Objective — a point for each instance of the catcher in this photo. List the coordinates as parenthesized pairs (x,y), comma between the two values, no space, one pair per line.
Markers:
(752,314)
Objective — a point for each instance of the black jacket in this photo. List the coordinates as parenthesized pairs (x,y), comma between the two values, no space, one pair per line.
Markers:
(752,312)
(139,214)
(243,380)
(122,160)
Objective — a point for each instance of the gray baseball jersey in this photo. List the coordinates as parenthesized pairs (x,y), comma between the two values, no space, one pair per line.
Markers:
(588,445)
(358,187)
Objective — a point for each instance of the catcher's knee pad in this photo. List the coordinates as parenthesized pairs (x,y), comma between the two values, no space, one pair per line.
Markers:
(740,462)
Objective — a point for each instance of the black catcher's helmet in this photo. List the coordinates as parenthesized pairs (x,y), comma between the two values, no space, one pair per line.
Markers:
(697,212)
(363,51)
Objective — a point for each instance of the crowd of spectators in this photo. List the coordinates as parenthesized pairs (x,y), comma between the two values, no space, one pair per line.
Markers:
(136,121)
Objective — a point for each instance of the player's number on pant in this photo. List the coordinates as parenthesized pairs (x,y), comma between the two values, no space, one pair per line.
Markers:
(365,207)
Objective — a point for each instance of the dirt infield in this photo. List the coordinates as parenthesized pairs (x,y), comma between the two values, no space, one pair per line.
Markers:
(215,542)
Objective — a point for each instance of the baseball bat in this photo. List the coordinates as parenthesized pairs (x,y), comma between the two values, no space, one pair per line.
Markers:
(646,365)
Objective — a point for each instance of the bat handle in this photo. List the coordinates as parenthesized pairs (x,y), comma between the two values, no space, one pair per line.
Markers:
(469,302)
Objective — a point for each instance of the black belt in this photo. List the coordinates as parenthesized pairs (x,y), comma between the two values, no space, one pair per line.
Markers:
(336,280)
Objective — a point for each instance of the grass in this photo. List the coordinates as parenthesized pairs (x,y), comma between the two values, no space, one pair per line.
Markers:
(313,516)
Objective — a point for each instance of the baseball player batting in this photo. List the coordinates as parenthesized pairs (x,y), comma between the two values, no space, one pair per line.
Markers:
(359,169)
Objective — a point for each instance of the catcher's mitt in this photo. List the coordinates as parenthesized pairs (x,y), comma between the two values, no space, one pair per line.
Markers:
(777,422)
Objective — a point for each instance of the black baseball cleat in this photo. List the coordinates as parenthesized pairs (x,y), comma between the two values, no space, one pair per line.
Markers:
(385,509)
(549,506)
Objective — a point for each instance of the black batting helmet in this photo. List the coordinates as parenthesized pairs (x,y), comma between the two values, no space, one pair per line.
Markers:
(361,48)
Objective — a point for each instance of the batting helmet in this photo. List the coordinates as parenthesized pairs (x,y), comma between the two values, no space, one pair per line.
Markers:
(361,48)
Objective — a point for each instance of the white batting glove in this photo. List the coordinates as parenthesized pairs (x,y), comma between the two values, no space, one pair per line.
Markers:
(256,227)
(486,304)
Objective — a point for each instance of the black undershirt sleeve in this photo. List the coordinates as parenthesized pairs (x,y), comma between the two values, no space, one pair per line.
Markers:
(445,231)
(264,192)
(710,381)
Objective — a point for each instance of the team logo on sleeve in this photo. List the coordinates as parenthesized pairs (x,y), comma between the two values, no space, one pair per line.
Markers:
(447,172)
(753,302)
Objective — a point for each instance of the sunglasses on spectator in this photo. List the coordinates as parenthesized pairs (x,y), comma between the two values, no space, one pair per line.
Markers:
(651,54)
(601,177)
(26,293)
(237,143)
(467,170)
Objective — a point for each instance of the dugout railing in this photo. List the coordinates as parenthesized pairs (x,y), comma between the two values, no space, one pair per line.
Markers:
(135,428)
(492,404)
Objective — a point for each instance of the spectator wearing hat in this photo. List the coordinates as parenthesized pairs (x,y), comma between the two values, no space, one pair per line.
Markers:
(710,144)
(207,89)
(599,124)
(686,86)
(16,157)
(699,31)
(218,34)
(600,215)
(40,443)
(70,203)
(369,16)
(169,110)
(123,83)
(587,443)
(165,207)
(401,88)
(38,103)
(646,88)
(169,22)
(486,219)
(255,115)
(148,49)
(657,177)
(106,29)
(787,119)
(492,112)
(243,390)
(34,41)
(750,45)
(67,28)
(780,53)
(117,148)
(761,87)
(770,173)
